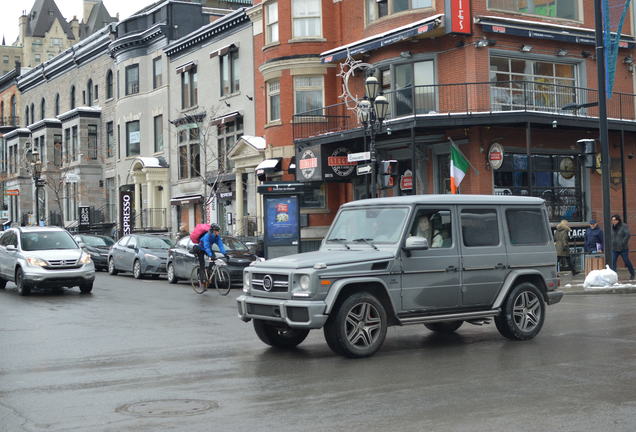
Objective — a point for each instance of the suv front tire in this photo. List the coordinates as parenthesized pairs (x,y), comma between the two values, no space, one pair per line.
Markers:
(523,313)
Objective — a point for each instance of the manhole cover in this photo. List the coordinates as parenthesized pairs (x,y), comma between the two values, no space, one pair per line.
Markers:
(168,407)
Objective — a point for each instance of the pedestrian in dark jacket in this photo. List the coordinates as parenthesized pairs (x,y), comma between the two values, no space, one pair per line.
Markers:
(593,238)
(620,244)
(562,244)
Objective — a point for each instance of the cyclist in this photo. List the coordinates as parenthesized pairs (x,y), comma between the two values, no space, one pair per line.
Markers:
(205,247)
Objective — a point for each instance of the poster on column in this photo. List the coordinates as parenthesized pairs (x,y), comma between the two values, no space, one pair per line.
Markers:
(281,220)
(126,214)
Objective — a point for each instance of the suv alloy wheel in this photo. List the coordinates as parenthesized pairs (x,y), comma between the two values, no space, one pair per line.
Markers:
(357,327)
(523,313)
(137,270)
(23,290)
(111,266)
(171,276)
(279,335)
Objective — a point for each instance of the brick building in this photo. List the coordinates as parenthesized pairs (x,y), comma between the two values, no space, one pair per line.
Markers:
(486,74)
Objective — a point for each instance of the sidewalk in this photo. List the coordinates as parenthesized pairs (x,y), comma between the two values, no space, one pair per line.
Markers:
(574,284)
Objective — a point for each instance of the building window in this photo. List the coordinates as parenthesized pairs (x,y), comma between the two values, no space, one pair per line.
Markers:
(5,59)
(96,92)
(307,93)
(111,196)
(227,135)
(14,110)
(132,79)
(314,198)
(72,98)
(57,104)
(56,42)
(74,144)
(32,113)
(413,85)
(529,84)
(306,18)
(26,115)
(271,17)
(230,72)
(376,9)
(66,150)
(189,95)
(157,74)
(57,150)
(273,100)
(110,143)
(567,9)
(189,153)
(37,58)
(92,142)
(89,93)
(42,109)
(133,138)
(109,84)
(158,129)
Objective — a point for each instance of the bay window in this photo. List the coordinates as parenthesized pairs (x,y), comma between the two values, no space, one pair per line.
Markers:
(307,93)
(273,100)
(306,19)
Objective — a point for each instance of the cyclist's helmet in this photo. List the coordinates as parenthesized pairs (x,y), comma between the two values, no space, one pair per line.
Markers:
(215,227)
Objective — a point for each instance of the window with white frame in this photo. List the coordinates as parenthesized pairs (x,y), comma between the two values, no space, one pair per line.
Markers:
(158,130)
(307,93)
(189,153)
(133,138)
(230,72)
(189,91)
(273,100)
(227,135)
(271,22)
(376,9)
(567,9)
(306,20)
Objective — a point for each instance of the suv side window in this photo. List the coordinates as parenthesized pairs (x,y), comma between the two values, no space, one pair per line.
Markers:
(435,226)
(526,227)
(123,241)
(10,239)
(480,227)
(132,242)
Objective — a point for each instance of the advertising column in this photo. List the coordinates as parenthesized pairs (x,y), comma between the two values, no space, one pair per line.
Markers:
(126,219)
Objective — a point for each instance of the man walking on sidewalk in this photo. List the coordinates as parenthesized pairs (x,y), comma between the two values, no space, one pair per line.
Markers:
(620,244)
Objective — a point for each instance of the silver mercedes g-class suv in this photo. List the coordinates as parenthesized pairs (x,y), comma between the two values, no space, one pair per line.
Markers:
(437,260)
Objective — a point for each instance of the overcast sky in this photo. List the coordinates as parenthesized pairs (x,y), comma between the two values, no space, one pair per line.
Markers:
(10,11)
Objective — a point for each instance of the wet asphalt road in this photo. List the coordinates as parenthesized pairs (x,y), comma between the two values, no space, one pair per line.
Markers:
(70,362)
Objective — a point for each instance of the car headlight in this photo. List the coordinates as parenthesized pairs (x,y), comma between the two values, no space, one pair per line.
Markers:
(151,256)
(36,262)
(303,283)
(85,258)
(247,281)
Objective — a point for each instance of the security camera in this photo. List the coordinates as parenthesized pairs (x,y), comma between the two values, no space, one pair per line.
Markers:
(554,123)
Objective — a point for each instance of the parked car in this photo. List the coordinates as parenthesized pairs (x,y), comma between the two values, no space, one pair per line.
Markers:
(44,257)
(140,254)
(181,261)
(97,247)
(437,260)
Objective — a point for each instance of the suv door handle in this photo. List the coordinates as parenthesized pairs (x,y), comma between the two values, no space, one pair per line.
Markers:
(451,269)
(500,266)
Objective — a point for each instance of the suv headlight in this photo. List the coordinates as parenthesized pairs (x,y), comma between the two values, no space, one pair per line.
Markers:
(36,262)
(303,282)
(85,258)
(247,281)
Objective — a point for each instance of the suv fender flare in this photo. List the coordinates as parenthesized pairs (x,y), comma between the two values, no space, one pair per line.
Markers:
(339,285)
(509,283)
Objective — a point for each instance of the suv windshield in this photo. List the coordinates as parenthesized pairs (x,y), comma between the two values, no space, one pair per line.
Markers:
(96,241)
(377,225)
(155,243)
(47,240)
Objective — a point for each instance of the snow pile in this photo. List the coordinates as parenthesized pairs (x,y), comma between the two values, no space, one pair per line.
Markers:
(601,278)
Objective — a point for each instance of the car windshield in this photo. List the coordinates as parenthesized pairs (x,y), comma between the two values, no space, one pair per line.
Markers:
(96,241)
(155,242)
(376,225)
(47,240)
(233,244)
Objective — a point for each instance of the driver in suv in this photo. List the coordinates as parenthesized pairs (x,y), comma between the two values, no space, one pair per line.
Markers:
(44,257)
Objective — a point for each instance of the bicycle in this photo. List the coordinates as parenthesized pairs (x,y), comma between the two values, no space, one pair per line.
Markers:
(215,273)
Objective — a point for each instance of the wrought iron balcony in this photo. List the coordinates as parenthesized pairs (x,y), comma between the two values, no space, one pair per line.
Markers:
(469,99)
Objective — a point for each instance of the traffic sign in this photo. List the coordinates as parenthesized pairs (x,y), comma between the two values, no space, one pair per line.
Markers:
(357,157)
(364,169)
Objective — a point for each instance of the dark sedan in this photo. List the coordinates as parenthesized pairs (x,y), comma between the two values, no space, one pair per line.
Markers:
(97,247)
(181,261)
(140,254)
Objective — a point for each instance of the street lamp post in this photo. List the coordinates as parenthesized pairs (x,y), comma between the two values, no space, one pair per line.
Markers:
(372,111)
(36,163)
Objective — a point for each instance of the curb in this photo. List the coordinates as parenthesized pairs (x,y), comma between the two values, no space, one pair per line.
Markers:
(597,291)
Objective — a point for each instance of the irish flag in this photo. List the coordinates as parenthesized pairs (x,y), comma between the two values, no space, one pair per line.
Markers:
(458,168)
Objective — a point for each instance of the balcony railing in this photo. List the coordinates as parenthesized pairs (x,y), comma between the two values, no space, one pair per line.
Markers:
(470,99)
(9,121)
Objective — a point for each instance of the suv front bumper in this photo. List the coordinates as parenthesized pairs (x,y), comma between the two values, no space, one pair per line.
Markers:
(41,277)
(294,313)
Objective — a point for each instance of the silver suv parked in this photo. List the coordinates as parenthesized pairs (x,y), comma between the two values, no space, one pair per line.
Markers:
(437,260)
(37,257)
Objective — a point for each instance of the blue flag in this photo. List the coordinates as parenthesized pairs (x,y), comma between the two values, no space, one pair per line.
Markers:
(611,39)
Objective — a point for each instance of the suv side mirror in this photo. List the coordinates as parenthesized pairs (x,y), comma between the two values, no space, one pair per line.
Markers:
(11,248)
(131,246)
(416,243)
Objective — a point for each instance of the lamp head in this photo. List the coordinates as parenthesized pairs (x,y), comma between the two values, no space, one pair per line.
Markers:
(381,107)
(372,87)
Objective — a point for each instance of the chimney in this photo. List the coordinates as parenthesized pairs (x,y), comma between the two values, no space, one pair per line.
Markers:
(88,7)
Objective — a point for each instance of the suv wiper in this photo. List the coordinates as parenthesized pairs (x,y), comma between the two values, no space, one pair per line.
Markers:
(340,240)
(367,241)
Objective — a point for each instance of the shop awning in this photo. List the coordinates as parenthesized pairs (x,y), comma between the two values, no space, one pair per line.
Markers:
(224,50)
(186,199)
(269,165)
(390,37)
(541,30)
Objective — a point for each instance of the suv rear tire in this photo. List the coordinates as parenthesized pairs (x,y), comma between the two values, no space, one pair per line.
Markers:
(523,313)
(446,327)
(23,289)
(357,326)
(279,335)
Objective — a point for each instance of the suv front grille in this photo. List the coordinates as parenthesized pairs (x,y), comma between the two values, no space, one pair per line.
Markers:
(62,264)
(277,283)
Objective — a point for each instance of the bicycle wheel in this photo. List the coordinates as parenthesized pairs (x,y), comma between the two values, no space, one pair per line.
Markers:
(222,280)
(198,285)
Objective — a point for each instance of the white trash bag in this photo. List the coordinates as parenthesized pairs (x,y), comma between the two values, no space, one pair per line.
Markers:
(601,278)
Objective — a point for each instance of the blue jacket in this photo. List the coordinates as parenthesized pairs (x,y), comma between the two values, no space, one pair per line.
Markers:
(593,236)
(206,244)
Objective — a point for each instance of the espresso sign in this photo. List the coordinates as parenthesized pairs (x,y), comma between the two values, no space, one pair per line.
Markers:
(126,221)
